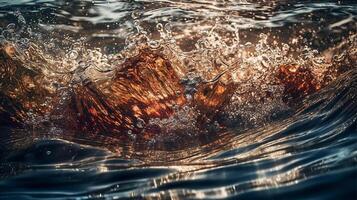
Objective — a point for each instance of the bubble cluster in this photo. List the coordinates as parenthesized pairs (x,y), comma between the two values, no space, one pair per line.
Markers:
(215,58)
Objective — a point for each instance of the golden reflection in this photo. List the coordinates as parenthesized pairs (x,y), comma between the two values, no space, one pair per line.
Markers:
(281,178)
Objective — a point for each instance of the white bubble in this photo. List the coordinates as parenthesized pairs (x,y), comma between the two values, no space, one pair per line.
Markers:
(154,44)
(159,26)
(72,55)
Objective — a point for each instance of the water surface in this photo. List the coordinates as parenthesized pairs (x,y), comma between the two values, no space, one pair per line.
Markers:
(263,144)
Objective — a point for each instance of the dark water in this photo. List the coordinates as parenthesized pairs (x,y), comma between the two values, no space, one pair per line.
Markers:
(303,148)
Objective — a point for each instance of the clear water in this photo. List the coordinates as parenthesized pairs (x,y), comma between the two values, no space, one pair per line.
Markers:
(267,138)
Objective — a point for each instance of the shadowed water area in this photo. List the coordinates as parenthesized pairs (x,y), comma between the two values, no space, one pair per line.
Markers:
(234,99)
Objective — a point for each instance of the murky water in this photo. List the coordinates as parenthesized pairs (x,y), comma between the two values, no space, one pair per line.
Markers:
(178,99)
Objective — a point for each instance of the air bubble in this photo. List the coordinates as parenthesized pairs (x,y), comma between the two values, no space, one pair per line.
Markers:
(135,14)
(24,43)
(159,27)
(73,55)
(11,27)
(7,35)
(153,44)
(248,44)
(168,27)
(263,37)
(286,47)
(140,123)
(131,134)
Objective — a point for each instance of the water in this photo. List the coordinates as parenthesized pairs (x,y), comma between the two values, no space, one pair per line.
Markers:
(178,99)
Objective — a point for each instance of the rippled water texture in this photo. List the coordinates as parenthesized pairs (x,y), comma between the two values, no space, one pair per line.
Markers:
(223,99)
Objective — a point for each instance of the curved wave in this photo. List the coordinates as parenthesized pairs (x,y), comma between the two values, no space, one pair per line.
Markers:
(178,100)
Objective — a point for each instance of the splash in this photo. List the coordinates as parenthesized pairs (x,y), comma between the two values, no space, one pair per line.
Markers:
(154,88)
